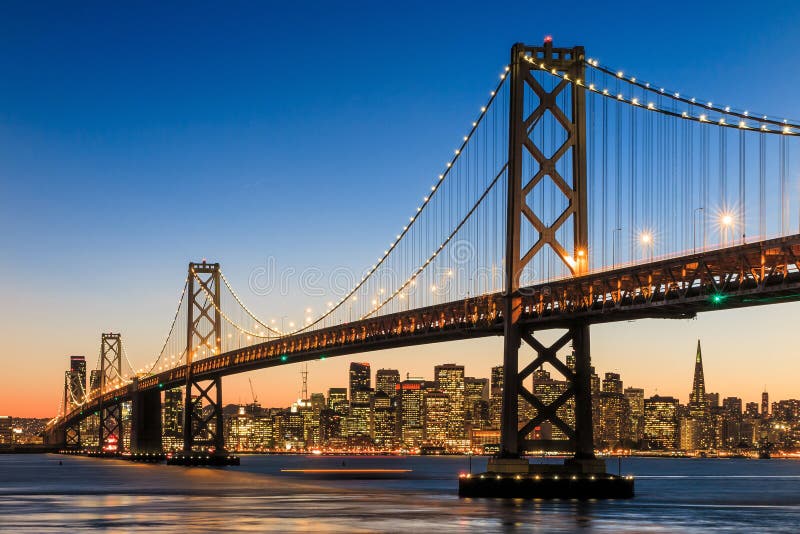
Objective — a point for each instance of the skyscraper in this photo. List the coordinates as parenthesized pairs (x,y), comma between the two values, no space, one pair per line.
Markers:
(661,422)
(699,411)
(450,381)
(386,380)
(411,404)
(476,393)
(697,397)
(437,413)
(77,364)
(337,400)
(548,390)
(614,408)
(765,404)
(496,396)
(172,429)
(635,397)
(94,380)
(360,382)
(384,424)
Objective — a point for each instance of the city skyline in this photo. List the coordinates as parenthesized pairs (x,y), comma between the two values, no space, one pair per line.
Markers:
(91,115)
(455,412)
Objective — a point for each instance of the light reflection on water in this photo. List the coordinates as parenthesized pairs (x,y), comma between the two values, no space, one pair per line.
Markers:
(37,494)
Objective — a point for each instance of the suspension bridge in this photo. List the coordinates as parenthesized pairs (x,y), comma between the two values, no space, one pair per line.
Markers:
(579,194)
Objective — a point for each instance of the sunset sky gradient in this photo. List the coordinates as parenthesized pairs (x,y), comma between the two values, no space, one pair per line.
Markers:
(137,138)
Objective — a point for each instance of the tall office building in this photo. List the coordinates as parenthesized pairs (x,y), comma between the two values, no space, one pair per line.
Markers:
(449,380)
(384,423)
(712,399)
(77,364)
(410,417)
(476,394)
(661,422)
(614,411)
(437,414)
(765,404)
(496,396)
(548,390)
(699,411)
(386,380)
(94,380)
(697,397)
(360,382)
(596,408)
(172,419)
(337,400)
(635,398)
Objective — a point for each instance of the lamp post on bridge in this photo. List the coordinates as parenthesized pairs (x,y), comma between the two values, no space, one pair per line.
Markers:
(694,228)
(614,247)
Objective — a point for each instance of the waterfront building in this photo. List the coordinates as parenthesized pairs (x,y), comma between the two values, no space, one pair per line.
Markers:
(661,422)
(691,433)
(172,419)
(614,417)
(77,364)
(732,423)
(547,390)
(410,417)
(496,396)
(635,399)
(384,421)
(6,431)
(449,379)
(437,411)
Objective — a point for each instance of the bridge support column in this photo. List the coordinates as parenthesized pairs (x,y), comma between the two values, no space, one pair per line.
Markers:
(568,248)
(203,423)
(72,436)
(111,437)
(146,422)
(202,409)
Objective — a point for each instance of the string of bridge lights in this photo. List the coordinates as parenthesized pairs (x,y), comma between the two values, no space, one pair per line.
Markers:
(786,129)
(676,95)
(246,309)
(412,279)
(171,328)
(413,218)
(210,298)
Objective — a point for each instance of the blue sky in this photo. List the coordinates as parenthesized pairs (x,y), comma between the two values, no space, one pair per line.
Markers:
(137,137)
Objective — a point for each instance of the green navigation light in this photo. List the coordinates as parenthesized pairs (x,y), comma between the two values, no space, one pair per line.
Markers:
(284,358)
(717,298)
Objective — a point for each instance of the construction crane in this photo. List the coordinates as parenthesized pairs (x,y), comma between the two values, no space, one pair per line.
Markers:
(253,394)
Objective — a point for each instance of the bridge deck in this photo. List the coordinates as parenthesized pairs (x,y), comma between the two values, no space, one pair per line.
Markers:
(763,272)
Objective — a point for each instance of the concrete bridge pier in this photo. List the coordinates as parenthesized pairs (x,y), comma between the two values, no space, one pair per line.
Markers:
(146,422)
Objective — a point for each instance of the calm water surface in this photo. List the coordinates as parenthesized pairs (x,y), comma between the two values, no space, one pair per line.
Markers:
(673,495)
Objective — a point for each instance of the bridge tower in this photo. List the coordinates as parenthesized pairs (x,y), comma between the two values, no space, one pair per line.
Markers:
(203,338)
(566,103)
(72,432)
(110,408)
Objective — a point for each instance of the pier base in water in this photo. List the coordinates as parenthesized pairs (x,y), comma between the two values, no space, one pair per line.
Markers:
(200,459)
(517,478)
